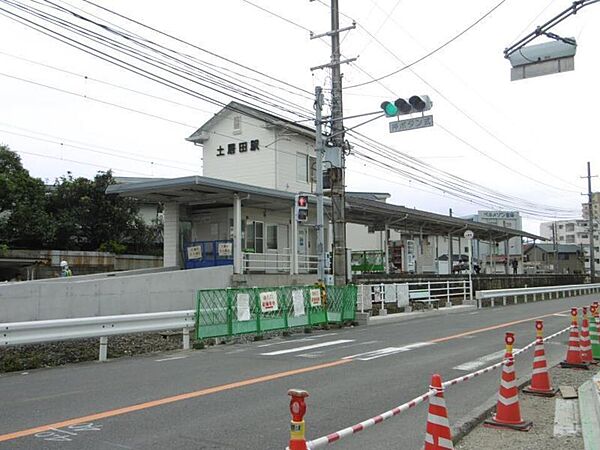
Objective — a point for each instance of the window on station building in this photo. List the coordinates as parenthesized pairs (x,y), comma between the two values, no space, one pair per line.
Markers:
(272,237)
(255,237)
(237,124)
(302,167)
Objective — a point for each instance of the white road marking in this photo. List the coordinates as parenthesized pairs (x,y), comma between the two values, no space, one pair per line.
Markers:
(472,365)
(307,347)
(473,313)
(368,356)
(562,315)
(566,418)
(286,342)
(239,350)
(173,358)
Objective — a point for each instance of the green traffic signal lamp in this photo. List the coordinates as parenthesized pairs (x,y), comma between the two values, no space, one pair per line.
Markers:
(415,104)
(390,109)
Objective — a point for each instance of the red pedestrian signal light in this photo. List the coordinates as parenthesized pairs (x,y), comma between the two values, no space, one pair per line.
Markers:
(301,208)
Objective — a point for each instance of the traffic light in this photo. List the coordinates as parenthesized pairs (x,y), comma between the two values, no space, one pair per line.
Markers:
(415,104)
(301,208)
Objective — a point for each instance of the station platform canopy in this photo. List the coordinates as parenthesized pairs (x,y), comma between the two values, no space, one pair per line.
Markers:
(362,208)
(378,214)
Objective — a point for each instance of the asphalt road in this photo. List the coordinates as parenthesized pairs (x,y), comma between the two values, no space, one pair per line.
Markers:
(234,396)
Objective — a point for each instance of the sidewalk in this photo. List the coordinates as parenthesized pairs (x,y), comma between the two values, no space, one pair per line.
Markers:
(400,317)
(554,427)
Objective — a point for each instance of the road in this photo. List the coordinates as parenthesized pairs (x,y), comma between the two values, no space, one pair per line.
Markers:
(234,396)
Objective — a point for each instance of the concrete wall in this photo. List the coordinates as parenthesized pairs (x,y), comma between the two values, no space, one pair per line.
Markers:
(157,292)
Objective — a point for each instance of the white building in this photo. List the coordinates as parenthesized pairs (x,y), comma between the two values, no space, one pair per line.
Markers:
(241,211)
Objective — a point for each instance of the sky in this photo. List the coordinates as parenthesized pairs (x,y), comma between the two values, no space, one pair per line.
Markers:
(528,139)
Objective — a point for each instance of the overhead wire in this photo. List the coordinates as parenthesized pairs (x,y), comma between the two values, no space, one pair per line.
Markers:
(474,121)
(432,52)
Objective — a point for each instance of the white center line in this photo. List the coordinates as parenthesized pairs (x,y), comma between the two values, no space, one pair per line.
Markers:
(307,347)
(173,358)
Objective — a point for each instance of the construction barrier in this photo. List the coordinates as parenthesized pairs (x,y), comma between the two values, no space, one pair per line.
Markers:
(437,434)
(235,311)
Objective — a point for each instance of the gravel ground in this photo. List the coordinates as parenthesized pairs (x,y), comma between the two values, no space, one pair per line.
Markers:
(540,410)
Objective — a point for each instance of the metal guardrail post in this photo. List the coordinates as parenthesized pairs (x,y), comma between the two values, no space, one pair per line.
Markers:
(103,348)
(464,292)
(448,302)
(186,338)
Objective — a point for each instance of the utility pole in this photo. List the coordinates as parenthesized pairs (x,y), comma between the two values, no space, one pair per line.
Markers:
(337,174)
(591,225)
(320,149)
(337,144)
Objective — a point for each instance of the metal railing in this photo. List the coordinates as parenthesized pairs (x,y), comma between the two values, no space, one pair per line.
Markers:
(532,293)
(266,262)
(18,333)
(403,293)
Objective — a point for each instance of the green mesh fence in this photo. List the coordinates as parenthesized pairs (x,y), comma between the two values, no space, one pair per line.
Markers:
(213,313)
(341,303)
(296,299)
(244,311)
(227,312)
(317,306)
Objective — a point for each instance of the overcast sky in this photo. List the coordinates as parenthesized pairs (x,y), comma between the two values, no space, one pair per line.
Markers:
(514,137)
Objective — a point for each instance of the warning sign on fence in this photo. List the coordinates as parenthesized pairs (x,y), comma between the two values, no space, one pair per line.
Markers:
(194,252)
(243,307)
(268,301)
(315,297)
(298,299)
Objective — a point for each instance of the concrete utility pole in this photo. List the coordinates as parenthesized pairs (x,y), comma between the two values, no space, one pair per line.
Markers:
(337,174)
(320,149)
(591,225)
(338,146)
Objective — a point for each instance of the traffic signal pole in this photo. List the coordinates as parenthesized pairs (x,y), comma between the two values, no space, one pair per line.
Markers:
(320,149)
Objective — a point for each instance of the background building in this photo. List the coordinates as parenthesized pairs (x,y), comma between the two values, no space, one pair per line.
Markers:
(574,231)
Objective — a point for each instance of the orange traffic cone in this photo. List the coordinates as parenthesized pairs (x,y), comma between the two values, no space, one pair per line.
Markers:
(586,344)
(574,360)
(540,379)
(438,435)
(508,410)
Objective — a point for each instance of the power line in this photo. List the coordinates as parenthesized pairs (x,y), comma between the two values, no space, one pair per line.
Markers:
(63,144)
(422,58)
(470,118)
(115,105)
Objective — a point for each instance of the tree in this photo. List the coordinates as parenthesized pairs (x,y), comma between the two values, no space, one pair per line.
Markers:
(88,219)
(24,221)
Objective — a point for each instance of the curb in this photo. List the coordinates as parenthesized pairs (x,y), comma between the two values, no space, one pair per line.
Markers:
(402,317)
(467,423)
(589,411)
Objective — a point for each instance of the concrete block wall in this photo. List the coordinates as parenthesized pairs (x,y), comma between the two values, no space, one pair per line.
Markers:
(155,292)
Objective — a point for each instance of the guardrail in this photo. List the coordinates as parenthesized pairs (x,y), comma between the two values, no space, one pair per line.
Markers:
(552,292)
(18,333)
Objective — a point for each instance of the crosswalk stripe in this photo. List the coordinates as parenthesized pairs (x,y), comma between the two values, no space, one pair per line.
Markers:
(380,353)
(472,365)
(307,347)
